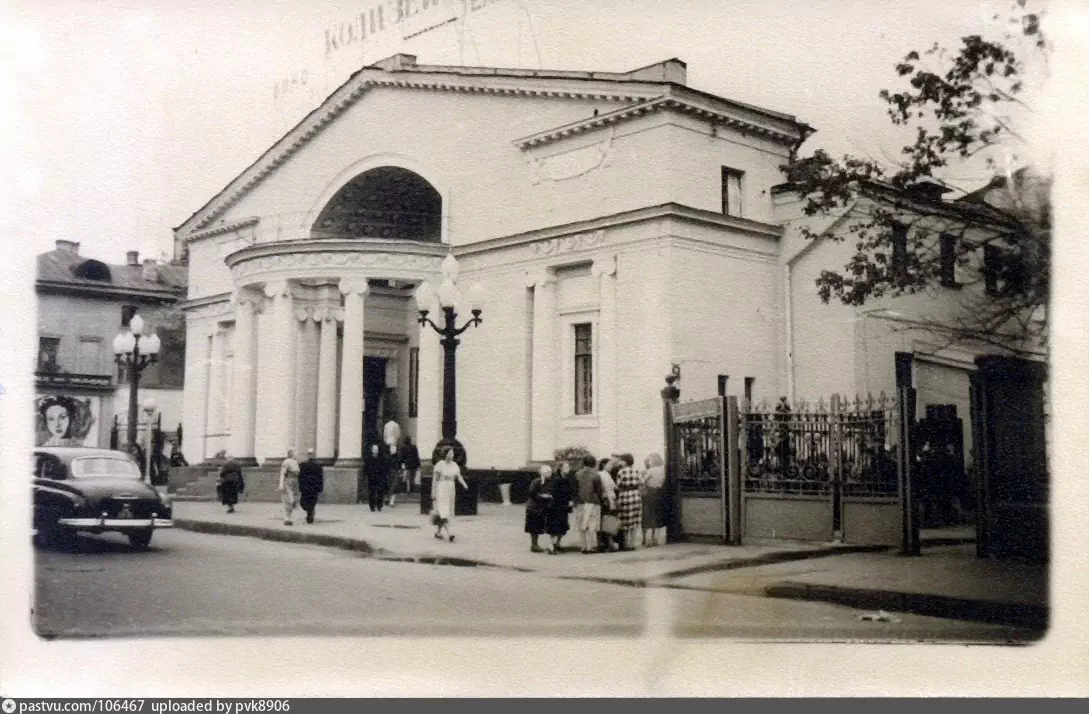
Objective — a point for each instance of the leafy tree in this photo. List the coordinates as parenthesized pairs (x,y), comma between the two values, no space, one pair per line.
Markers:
(907,234)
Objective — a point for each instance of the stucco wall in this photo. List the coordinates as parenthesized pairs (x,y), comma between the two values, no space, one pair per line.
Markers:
(71,319)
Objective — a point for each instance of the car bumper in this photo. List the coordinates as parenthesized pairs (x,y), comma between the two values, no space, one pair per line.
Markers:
(120,524)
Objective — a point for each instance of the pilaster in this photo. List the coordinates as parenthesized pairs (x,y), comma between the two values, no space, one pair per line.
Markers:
(605,268)
(350,452)
(543,370)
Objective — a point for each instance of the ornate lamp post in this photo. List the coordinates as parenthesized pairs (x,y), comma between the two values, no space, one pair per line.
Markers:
(450,299)
(132,360)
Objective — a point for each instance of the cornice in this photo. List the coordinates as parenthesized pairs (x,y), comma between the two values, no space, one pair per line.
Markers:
(223,228)
(52,286)
(587,231)
(351,92)
(341,258)
(666,102)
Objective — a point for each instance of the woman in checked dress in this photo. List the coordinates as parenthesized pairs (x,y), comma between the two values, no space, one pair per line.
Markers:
(446,475)
(629,502)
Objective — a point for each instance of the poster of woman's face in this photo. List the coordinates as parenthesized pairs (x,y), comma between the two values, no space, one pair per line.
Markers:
(66,421)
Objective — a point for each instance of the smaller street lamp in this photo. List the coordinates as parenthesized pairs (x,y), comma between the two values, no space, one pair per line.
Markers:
(132,360)
(450,300)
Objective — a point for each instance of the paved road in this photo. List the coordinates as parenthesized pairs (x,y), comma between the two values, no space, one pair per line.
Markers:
(193,584)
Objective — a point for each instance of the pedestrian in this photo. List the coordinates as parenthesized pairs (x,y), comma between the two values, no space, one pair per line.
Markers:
(443,490)
(176,456)
(629,502)
(588,504)
(375,470)
(607,533)
(137,453)
(231,484)
(563,488)
(311,484)
(540,494)
(410,463)
(289,485)
(653,498)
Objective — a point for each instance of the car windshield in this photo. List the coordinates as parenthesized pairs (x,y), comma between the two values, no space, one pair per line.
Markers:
(97,466)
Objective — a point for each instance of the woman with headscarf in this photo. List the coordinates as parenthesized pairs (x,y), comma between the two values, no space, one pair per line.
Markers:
(629,502)
(653,495)
(537,505)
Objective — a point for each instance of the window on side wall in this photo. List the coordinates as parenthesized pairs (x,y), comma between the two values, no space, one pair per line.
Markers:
(127,311)
(899,249)
(948,260)
(584,369)
(732,181)
(87,361)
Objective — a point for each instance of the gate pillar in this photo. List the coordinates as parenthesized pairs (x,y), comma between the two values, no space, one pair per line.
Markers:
(670,395)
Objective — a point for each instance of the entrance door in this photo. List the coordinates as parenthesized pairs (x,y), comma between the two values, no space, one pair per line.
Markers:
(374,387)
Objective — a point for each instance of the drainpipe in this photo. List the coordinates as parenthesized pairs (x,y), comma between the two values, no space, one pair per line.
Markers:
(789,326)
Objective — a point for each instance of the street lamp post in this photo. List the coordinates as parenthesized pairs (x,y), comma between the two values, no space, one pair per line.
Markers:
(132,361)
(450,299)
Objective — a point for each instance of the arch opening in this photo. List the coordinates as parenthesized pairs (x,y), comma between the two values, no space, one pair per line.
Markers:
(386,202)
(93,270)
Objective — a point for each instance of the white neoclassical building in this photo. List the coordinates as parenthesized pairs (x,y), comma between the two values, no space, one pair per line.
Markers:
(619,223)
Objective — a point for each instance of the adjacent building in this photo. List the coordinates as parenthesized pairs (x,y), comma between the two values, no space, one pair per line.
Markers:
(83,304)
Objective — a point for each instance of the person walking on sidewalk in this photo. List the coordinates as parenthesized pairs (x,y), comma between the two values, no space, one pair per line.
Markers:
(230,484)
(391,436)
(588,504)
(653,494)
(443,491)
(289,485)
(375,470)
(311,484)
(540,496)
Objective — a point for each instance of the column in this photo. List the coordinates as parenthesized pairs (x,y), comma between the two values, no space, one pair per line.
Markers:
(605,268)
(543,381)
(243,397)
(351,374)
(196,384)
(429,381)
(306,377)
(327,383)
(277,388)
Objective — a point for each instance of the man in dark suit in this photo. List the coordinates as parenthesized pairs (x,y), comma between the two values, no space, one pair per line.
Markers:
(311,484)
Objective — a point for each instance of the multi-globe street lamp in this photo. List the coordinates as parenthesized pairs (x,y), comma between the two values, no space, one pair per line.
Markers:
(450,300)
(134,351)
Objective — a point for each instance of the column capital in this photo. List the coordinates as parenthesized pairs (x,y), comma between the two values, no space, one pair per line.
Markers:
(302,314)
(604,265)
(541,277)
(349,286)
(246,296)
(274,288)
(328,314)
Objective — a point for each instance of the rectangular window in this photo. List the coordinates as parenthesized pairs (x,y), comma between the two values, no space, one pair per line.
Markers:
(413,381)
(748,388)
(899,249)
(48,347)
(991,257)
(731,191)
(87,361)
(584,369)
(949,260)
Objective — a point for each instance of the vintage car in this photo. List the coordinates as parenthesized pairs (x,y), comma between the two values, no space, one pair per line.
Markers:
(94,490)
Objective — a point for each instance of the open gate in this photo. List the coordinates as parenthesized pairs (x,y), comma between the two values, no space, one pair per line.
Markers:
(703,435)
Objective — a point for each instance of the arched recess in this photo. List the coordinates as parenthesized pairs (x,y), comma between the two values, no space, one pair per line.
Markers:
(381,197)
(93,270)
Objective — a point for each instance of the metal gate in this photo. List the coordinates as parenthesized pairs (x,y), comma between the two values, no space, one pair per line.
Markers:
(822,472)
(703,435)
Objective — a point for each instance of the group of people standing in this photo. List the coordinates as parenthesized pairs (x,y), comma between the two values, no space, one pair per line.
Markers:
(611,500)
(388,469)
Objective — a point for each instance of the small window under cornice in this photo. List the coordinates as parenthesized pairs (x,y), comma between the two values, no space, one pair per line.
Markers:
(93,270)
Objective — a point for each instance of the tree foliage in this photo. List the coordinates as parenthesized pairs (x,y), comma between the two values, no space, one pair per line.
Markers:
(958,108)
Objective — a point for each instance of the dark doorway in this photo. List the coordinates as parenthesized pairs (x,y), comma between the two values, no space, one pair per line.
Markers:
(374,387)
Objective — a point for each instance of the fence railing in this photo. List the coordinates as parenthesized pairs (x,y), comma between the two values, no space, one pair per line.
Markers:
(812,448)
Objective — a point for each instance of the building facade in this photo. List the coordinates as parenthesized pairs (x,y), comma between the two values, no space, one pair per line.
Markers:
(82,305)
(619,224)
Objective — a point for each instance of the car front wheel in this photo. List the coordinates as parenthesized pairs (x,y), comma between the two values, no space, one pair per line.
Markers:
(140,539)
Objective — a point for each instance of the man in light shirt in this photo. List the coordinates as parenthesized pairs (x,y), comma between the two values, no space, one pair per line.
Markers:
(289,485)
(391,435)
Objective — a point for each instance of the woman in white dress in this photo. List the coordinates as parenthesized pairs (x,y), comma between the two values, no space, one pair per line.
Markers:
(446,474)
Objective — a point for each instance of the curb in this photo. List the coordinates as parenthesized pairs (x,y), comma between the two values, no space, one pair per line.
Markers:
(997,613)
(782,556)
(311,538)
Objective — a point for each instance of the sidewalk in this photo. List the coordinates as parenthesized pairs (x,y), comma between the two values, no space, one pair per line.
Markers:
(493,538)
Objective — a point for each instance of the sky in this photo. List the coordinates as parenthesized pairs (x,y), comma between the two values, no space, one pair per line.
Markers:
(131,114)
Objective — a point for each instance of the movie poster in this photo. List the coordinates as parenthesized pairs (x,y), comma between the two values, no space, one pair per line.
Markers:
(66,421)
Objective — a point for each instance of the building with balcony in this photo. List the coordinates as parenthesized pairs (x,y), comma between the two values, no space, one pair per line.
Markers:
(82,304)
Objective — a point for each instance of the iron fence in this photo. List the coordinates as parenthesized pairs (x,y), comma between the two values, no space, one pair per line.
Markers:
(698,456)
(814,449)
